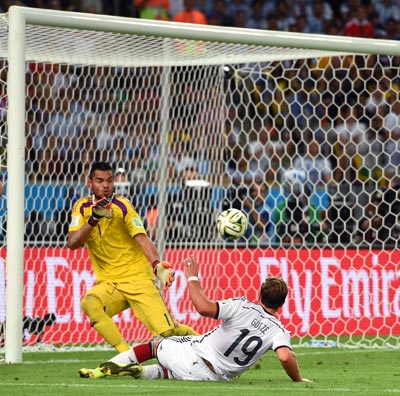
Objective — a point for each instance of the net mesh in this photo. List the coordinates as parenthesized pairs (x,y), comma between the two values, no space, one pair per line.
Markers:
(117,49)
(305,142)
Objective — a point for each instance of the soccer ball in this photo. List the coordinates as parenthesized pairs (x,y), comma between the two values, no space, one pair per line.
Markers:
(232,224)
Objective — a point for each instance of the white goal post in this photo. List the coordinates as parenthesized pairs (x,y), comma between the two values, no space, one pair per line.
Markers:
(87,43)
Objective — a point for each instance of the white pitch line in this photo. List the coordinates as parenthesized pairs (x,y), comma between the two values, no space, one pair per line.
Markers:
(190,386)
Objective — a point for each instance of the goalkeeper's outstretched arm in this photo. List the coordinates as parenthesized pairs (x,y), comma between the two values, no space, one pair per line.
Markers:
(162,269)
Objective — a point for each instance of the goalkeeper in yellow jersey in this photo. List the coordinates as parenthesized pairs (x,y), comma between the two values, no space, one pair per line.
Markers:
(124,261)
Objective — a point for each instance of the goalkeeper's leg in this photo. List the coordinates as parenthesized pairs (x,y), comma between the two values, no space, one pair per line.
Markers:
(149,306)
(102,323)
(180,330)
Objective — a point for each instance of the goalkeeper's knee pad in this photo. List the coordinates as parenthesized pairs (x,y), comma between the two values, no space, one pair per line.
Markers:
(93,307)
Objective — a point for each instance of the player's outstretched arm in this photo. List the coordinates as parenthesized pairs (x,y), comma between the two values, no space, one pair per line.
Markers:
(203,305)
(148,247)
(289,363)
(162,269)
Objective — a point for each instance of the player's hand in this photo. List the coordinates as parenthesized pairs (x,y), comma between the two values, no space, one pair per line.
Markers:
(164,272)
(191,267)
(100,209)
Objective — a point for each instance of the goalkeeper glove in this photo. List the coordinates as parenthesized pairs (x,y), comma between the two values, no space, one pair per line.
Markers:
(164,272)
(100,209)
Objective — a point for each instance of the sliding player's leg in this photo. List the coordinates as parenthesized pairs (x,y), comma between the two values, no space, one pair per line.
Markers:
(127,364)
(176,357)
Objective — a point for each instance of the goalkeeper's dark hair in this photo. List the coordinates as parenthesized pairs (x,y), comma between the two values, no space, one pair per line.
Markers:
(273,292)
(100,166)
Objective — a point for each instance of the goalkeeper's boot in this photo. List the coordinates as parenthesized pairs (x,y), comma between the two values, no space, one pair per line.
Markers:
(91,373)
(117,370)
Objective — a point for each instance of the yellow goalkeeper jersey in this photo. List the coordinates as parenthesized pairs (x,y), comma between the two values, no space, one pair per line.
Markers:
(115,255)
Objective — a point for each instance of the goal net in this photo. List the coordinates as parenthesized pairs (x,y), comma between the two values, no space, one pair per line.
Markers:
(300,132)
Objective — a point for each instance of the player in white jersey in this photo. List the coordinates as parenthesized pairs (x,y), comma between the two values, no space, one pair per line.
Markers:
(247,332)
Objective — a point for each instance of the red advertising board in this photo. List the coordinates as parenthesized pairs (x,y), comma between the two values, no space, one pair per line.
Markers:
(332,292)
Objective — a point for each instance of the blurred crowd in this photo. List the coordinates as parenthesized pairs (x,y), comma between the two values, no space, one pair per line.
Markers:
(362,18)
(336,125)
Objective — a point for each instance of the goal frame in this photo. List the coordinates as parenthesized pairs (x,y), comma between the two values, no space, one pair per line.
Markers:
(18,17)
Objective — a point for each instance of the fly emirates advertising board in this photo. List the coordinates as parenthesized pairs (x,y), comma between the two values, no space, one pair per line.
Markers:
(332,292)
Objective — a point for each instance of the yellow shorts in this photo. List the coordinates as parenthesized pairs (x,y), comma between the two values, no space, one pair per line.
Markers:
(142,296)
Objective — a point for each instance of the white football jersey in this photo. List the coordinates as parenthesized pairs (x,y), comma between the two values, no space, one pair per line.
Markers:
(248,331)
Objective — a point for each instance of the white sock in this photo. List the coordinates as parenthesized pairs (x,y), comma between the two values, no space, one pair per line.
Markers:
(126,357)
(152,371)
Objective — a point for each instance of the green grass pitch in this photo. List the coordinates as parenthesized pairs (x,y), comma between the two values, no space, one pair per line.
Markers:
(335,371)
